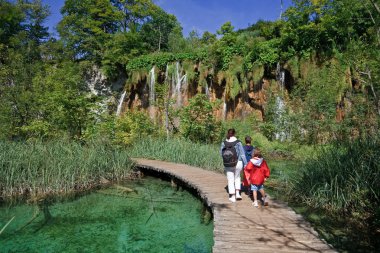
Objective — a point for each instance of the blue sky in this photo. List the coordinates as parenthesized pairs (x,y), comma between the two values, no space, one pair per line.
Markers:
(203,15)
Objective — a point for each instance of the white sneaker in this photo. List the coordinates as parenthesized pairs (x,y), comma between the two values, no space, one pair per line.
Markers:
(255,204)
(238,196)
(232,199)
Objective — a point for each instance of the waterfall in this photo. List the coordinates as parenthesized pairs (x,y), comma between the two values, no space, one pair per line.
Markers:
(177,82)
(166,73)
(151,82)
(280,121)
(280,76)
(224,108)
(121,100)
(152,94)
(167,82)
(177,79)
(282,81)
(182,83)
(207,90)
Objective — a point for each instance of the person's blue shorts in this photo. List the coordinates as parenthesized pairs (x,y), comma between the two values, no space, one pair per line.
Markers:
(255,187)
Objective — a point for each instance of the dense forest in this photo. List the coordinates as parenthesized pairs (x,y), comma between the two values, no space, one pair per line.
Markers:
(312,77)
(329,51)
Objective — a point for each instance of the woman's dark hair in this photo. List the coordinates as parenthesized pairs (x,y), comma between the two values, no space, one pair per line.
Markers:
(230,133)
(248,139)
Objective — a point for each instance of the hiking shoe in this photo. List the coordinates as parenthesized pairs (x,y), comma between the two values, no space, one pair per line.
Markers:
(232,199)
(255,204)
(238,196)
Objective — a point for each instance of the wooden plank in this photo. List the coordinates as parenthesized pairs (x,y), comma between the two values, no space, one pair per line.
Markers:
(239,227)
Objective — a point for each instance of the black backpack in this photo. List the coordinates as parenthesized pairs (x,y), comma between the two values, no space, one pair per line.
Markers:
(229,155)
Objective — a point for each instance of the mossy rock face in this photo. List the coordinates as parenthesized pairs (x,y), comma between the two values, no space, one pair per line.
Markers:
(318,85)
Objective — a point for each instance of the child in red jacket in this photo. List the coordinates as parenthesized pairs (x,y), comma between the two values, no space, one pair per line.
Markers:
(256,172)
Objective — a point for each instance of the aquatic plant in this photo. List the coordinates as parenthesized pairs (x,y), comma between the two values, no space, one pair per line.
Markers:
(37,169)
(179,151)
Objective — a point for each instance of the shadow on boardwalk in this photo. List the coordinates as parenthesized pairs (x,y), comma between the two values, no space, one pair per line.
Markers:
(239,227)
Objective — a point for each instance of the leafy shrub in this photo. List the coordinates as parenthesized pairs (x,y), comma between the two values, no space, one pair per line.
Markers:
(124,130)
(198,123)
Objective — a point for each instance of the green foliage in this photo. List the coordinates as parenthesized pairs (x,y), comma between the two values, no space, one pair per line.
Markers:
(11,17)
(87,25)
(119,50)
(318,91)
(176,41)
(322,26)
(133,126)
(54,102)
(162,59)
(271,149)
(208,38)
(197,120)
(125,130)
(156,31)
(233,78)
(179,151)
(266,52)
(343,180)
(62,101)
(37,169)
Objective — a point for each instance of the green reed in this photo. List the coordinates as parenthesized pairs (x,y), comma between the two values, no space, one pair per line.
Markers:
(344,180)
(179,151)
(58,167)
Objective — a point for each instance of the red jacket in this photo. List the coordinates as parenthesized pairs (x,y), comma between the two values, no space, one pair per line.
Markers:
(256,174)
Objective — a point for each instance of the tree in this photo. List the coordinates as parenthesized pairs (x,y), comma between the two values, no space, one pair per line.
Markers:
(86,27)
(197,120)
(11,17)
(176,42)
(35,15)
(225,29)
(20,60)
(156,30)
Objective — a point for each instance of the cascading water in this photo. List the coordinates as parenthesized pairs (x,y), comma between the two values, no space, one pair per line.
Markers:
(280,123)
(151,81)
(177,83)
(167,82)
(207,90)
(182,83)
(224,108)
(119,106)
(152,94)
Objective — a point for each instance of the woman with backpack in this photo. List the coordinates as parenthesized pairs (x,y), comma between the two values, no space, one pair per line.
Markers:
(234,161)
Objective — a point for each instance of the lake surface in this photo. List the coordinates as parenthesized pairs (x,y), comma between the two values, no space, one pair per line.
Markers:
(153,217)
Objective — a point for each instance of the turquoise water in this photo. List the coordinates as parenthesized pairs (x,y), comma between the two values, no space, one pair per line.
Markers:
(153,217)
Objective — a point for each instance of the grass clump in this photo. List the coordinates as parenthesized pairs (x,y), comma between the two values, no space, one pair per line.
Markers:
(179,151)
(34,170)
(343,180)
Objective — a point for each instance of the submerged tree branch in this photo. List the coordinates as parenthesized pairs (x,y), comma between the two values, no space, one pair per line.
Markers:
(6,225)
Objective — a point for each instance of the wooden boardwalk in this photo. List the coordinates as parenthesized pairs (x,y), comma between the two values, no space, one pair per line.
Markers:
(239,227)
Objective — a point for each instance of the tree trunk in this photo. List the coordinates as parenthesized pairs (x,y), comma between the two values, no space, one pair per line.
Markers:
(376,6)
